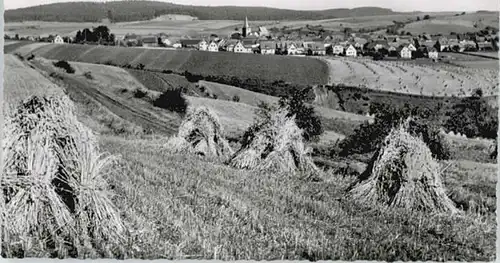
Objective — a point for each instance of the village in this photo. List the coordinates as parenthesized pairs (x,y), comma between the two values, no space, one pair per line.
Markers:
(309,43)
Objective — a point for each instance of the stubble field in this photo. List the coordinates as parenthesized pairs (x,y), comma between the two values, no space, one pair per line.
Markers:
(432,79)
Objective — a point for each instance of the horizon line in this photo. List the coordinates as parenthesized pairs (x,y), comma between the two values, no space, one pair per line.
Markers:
(259,6)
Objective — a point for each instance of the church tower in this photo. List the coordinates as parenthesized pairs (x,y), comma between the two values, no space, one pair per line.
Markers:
(246,28)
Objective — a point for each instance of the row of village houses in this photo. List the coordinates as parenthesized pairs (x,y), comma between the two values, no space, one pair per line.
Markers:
(398,46)
(402,46)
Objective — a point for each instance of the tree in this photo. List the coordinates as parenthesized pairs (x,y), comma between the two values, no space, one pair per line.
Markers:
(101,33)
(172,100)
(474,117)
(110,16)
(427,17)
(78,37)
(16,37)
(418,18)
(305,116)
(368,137)
(87,35)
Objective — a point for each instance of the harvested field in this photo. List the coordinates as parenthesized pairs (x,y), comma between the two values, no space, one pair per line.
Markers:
(266,68)
(431,80)
(21,81)
(313,214)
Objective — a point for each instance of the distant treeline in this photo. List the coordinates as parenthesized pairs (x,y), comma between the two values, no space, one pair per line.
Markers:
(125,11)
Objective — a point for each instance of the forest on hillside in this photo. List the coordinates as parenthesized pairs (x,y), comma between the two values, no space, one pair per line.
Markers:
(126,11)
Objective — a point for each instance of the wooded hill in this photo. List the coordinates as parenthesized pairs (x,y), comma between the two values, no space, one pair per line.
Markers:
(127,11)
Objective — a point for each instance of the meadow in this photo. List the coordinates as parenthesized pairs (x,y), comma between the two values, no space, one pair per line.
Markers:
(179,206)
(265,68)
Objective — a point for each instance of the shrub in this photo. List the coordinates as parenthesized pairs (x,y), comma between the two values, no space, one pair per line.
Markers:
(138,93)
(65,65)
(473,117)
(236,98)
(88,75)
(172,100)
(31,57)
(368,137)
(305,116)
(140,66)
(18,55)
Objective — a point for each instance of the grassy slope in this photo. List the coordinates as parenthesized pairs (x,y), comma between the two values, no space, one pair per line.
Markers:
(458,24)
(265,68)
(21,81)
(113,89)
(203,209)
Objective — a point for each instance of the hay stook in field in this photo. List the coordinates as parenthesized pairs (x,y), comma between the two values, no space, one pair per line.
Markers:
(56,195)
(403,174)
(202,134)
(275,145)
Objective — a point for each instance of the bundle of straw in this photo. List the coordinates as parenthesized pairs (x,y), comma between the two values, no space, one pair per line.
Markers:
(57,198)
(403,174)
(201,133)
(276,145)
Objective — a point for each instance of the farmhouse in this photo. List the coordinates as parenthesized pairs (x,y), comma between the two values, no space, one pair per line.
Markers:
(267,47)
(338,49)
(433,53)
(351,51)
(203,45)
(149,41)
(291,48)
(213,47)
(485,46)
(240,47)
(359,42)
(404,52)
(190,43)
(411,47)
(263,31)
(442,44)
(317,48)
(58,40)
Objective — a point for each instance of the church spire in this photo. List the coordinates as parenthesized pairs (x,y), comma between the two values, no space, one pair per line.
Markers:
(246,22)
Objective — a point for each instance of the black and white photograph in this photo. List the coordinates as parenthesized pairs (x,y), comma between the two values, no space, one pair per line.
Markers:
(362,130)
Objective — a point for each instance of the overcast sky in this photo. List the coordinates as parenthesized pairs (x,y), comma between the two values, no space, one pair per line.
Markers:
(396,5)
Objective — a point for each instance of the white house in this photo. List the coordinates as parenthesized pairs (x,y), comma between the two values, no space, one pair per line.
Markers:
(292,49)
(433,53)
(338,49)
(167,42)
(213,47)
(351,51)
(411,47)
(203,45)
(58,40)
(267,47)
(240,48)
(405,52)
(177,45)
